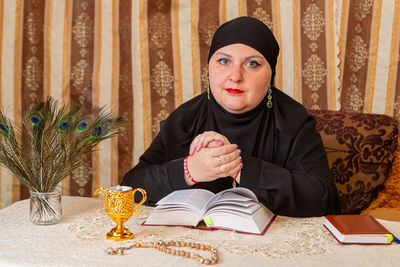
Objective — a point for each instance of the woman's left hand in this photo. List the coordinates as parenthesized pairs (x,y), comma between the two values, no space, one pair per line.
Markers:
(207,138)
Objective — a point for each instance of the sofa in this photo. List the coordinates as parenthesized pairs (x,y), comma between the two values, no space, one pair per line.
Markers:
(361,150)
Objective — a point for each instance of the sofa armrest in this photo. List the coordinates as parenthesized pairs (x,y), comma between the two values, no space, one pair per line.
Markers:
(360,149)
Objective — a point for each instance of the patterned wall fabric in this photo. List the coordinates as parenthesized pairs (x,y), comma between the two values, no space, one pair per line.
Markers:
(370,44)
(143,58)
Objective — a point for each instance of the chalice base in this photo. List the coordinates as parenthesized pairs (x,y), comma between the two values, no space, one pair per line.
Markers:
(119,235)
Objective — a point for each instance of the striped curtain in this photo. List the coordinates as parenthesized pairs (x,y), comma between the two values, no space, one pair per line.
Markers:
(370,56)
(143,58)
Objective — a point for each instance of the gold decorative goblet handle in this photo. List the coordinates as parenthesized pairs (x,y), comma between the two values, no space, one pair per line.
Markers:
(104,192)
(144,197)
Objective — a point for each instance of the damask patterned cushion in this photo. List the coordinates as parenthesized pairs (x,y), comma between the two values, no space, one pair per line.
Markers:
(389,196)
(360,149)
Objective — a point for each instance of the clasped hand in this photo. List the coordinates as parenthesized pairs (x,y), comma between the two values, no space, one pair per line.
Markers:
(212,156)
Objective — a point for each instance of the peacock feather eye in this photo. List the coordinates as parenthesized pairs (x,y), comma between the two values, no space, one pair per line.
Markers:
(64,125)
(82,126)
(3,129)
(35,118)
(97,131)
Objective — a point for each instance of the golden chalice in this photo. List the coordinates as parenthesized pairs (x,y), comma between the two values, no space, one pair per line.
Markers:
(120,206)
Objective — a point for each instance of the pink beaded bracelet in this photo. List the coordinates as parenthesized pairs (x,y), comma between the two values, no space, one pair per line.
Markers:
(186,170)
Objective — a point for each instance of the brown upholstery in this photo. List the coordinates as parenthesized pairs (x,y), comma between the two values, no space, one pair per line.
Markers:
(360,149)
(387,204)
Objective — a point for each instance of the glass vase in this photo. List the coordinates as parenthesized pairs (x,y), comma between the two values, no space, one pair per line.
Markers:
(45,207)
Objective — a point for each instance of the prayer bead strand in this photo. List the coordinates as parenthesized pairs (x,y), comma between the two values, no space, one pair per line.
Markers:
(164,246)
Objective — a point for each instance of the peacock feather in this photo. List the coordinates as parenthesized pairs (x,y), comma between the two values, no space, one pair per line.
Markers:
(50,142)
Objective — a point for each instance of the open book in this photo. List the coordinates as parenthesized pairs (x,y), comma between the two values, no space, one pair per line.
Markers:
(233,209)
(357,229)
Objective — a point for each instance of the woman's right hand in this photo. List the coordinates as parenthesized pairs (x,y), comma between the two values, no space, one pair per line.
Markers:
(211,163)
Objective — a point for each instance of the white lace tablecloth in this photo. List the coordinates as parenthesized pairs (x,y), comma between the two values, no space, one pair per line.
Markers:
(79,240)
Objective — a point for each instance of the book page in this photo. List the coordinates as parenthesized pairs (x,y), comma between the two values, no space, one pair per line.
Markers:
(232,208)
(238,195)
(250,223)
(227,194)
(194,198)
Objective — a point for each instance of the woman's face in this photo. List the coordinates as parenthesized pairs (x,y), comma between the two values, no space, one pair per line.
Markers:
(239,77)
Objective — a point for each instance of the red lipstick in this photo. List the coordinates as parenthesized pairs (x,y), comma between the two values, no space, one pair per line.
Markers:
(234,91)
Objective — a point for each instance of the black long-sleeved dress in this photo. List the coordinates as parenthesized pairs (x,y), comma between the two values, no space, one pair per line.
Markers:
(284,161)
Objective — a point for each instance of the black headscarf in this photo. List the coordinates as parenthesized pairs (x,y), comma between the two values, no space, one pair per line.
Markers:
(249,31)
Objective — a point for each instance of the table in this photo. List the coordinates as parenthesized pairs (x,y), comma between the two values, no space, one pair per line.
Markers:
(79,240)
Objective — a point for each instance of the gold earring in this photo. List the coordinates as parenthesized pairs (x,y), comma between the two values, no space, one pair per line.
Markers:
(208,92)
(269,103)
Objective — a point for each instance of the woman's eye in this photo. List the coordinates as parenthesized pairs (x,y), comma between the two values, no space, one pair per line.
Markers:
(253,64)
(223,61)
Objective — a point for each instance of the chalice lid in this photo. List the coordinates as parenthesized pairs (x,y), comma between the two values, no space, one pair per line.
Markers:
(119,188)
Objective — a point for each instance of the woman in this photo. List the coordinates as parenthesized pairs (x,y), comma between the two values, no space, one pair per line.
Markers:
(242,132)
